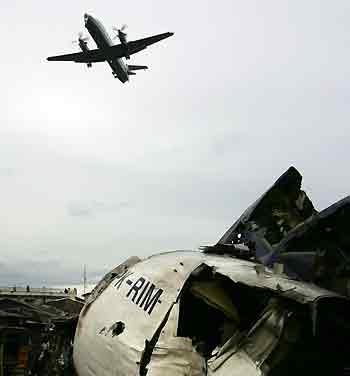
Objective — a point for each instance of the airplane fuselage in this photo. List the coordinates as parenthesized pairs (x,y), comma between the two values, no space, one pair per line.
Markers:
(108,51)
(103,42)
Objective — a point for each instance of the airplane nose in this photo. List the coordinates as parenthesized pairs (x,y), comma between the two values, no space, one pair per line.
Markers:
(86,17)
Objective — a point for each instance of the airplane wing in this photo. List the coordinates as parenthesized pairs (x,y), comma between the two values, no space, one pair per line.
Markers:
(135,46)
(140,44)
(113,52)
(91,56)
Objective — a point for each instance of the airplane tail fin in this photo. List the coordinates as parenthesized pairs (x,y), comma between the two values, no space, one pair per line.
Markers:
(136,67)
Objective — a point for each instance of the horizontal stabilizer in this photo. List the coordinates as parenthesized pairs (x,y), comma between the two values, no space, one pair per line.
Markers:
(131,73)
(136,67)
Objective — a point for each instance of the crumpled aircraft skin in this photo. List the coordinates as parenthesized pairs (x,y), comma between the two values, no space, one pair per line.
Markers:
(283,227)
(195,313)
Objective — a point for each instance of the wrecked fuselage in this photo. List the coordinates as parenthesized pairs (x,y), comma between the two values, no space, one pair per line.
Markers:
(192,313)
(268,299)
(283,227)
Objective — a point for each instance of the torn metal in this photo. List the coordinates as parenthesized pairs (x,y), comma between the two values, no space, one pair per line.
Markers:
(283,228)
(36,338)
(270,298)
(191,313)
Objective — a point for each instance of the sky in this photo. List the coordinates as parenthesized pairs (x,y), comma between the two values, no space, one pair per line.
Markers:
(93,171)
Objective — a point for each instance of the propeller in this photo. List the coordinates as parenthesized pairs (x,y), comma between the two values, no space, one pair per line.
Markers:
(120,33)
(81,38)
(122,38)
(125,26)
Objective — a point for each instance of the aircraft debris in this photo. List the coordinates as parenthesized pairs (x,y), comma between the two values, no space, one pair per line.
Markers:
(216,316)
(263,301)
(283,227)
(36,338)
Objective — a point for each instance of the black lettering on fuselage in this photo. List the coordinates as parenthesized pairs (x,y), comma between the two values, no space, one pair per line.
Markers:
(150,301)
(143,293)
(136,287)
(121,278)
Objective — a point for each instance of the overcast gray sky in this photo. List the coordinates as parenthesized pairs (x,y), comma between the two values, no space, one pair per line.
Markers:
(93,171)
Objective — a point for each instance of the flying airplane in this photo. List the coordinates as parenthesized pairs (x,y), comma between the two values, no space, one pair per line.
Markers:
(232,309)
(108,51)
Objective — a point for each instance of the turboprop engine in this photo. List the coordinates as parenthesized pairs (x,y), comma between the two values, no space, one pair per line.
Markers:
(82,42)
(122,36)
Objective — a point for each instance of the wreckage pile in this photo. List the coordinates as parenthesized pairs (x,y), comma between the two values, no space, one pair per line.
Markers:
(270,298)
(36,332)
(283,229)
